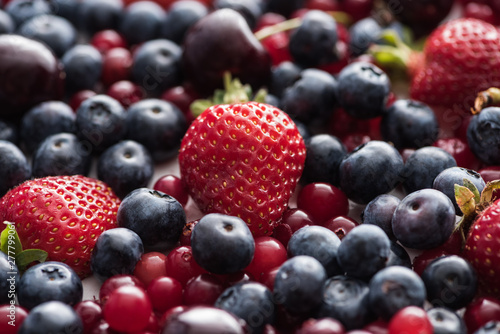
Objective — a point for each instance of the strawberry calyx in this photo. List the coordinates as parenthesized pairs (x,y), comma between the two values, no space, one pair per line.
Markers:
(486,98)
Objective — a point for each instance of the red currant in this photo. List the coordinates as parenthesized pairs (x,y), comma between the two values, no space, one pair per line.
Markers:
(203,289)
(322,201)
(150,266)
(185,239)
(410,320)
(172,185)
(164,293)
(269,253)
(377,327)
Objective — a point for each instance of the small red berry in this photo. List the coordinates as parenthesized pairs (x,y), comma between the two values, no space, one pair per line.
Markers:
(164,293)
(181,265)
(172,185)
(126,92)
(410,320)
(113,283)
(91,314)
(11,318)
(203,290)
(106,40)
(150,266)
(269,253)
(341,225)
(322,201)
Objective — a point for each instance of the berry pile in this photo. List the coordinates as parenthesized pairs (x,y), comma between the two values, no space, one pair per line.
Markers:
(252,166)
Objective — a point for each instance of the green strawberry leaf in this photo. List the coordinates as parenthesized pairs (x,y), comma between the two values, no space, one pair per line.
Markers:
(487,193)
(28,256)
(9,240)
(469,185)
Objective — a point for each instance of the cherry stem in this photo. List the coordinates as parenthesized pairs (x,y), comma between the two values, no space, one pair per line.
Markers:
(486,98)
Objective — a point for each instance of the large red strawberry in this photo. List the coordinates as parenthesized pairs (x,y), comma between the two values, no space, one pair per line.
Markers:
(62,215)
(244,160)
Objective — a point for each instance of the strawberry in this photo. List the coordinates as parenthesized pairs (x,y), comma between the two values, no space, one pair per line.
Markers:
(62,215)
(243,159)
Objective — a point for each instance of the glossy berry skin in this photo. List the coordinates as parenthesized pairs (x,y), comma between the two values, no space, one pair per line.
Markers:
(91,314)
(126,92)
(379,212)
(445,321)
(363,90)
(481,311)
(9,131)
(160,222)
(150,266)
(203,289)
(394,288)
(125,166)
(172,185)
(181,15)
(23,10)
(83,67)
(14,166)
(235,243)
(164,293)
(298,285)
(6,326)
(98,15)
(181,265)
(9,282)
(340,225)
(346,299)
(398,256)
(116,251)
(318,242)
(372,169)
(411,320)
(6,23)
(250,301)
(116,281)
(482,135)
(422,167)
(321,326)
(424,219)
(269,254)
(51,317)
(158,125)
(409,124)
(283,76)
(61,154)
(116,64)
(363,34)
(106,40)
(322,202)
(141,22)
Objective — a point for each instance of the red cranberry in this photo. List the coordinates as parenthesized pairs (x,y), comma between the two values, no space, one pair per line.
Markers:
(203,289)
(185,239)
(172,185)
(153,325)
(460,150)
(231,279)
(182,97)
(116,66)
(341,225)
(480,311)
(343,124)
(321,326)
(181,265)
(126,92)
(91,314)
(267,278)
(79,97)
(421,261)
(114,283)
(165,293)
(150,266)
(410,320)
(171,312)
(106,40)
(322,201)
(269,19)
(269,253)
(282,233)
(296,219)
(11,313)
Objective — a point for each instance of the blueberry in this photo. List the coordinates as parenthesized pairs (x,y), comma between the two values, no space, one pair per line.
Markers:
(370,170)
(14,167)
(314,42)
(49,281)
(398,256)
(394,288)
(222,244)
(157,66)
(250,301)
(446,180)
(363,90)
(346,299)
(424,219)
(45,119)
(491,327)
(482,135)
(364,251)
(445,321)
(66,8)
(125,167)
(9,278)
(116,251)
(23,10)
(100,122)
(181,15)
(299,285)
(323,157)
(56,32)
(362,35)
(9,131)
(61,154)
(318,242)
(159,222)
(284,7)
(52,317)
(379,212)
(283,76)
(142,22)
(97,15)
(158,125)
(6,23)
(422,167)
(251,10)
(451,282)
(409,124)
(83,66)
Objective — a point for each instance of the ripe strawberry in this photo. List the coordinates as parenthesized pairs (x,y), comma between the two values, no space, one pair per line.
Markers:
(62,215)
(243,160)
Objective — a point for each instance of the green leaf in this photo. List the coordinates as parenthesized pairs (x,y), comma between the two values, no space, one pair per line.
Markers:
(260,96)
(469,185)
(199,106)
(487,193)
(29,256)
(9,240)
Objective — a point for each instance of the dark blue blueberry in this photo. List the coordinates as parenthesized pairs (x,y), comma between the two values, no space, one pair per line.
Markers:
(450,281)
(9,131)
(52,317)
(142,22)
(158,125)
(116,252)
(363,90)
(372,169)
(6,23)
(9,277)
(222,244)
(362,35)
(83,66)
(97,15)
(125,166)
(49,281)
(283,76)
(14,167)
(492,327)
(45,119)
(299,285)
(394,288)
(379,212)
(61,154)
(318,242)
(100,122)
(304,131)
(398,256)
(483,135)
(54,31)
(409,124)
(272,100)
(23,10)
(346,299)
(324,155)
(424,219)
(284,7)
(445,321)
(251,10)
(364,251)
(67,9)
(181,15)
(422,167)
(159,222)
(311,98)
(446,180)
(250,301)
(314,42)
(157,66)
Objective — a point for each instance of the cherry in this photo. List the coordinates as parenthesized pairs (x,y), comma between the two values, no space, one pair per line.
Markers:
(181,265)
(480,311)
(172,185)
(114,283)
(126,92)
(11,314)
(128,309)
(79,97)
(460,150)
(106,40)
(116,65)
(321,326)
(164,293)
(322,201)
(185,239)
(150,266)
(91,314)
(341,225)
(203,289)
(182,97)
(269,253)
(410,320)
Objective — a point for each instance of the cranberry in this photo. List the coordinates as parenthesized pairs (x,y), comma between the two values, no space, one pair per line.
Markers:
(182,97)
(411,320)
(153,325)
(231,279)
(172,185)
(116,66)
(460,150)
(269,19)
(296,219)
(126,92)
(150,266)
(341,225)
(267,278)
(115,282)
(421,261)
(282,233)
(185,239)
(269,253)
(353,140)
(9,313)
(79,97)
(165,293)
(481,311)
(203,289)
(91,314)
(106,40)
(322,201)
(321,326)
(181,265)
